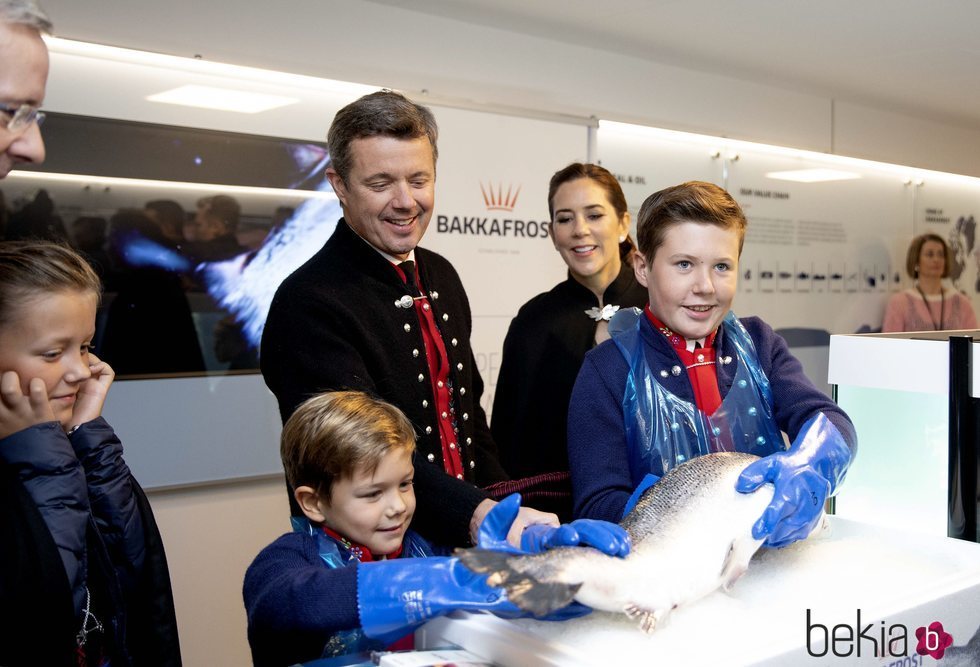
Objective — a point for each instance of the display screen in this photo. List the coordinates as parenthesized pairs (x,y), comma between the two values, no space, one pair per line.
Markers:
(190,230)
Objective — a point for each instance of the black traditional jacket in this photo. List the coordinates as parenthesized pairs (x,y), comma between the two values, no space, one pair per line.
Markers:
(334,324)
(543,352)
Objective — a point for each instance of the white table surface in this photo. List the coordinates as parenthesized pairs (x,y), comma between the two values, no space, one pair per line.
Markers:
(891,576)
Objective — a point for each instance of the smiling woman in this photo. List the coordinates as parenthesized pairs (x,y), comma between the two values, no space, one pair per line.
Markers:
(552,332)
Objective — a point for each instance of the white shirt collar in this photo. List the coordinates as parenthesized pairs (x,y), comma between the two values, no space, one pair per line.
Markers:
(395,260)
(390,258)
(691,342)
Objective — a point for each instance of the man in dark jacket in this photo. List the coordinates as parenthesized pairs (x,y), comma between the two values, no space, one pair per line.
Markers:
(372,312)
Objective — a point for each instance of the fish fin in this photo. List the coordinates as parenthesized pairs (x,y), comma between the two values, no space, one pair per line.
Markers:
(529,592)
(650,619)
(733,568)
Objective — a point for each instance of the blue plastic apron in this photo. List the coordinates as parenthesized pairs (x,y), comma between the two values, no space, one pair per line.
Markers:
(664,430)
(334,555)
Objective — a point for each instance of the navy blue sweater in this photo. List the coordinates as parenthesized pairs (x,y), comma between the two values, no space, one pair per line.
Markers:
(601,481)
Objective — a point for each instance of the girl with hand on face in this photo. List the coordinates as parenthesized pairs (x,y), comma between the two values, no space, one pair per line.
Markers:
(552,332)
(928,305)
(83,575)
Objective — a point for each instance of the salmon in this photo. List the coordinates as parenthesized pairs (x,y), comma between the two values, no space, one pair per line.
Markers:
(691,534)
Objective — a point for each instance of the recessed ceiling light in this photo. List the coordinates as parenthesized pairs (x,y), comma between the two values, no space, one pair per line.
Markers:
(813,175)
(224,99)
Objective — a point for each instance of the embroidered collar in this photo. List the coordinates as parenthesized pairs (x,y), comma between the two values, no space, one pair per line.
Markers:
(359,552)
(677,341)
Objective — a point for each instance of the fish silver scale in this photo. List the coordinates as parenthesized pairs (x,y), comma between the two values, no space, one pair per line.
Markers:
(691,533)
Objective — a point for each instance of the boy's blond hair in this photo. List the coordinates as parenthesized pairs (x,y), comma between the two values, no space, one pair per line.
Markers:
(333,435)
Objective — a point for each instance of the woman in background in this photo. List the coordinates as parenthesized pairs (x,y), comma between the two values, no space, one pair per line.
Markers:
(552,332)
(928,305)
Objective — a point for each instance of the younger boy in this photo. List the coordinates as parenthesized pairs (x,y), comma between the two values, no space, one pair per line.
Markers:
(349,458)
(341,582)
(685,377)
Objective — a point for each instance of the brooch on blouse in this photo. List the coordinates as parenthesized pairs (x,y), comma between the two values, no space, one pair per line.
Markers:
(605,314)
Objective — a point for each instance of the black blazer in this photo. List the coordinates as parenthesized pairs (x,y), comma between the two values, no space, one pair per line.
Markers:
(333,324)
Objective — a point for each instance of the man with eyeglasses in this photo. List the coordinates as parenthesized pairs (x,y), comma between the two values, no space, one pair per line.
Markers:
(23,76)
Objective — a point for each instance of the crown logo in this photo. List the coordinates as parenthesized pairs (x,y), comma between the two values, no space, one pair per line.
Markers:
(496,200)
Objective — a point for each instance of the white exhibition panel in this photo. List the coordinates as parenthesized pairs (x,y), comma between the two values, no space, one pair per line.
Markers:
(898,582)
(491,216)
(830,252)
(645,163)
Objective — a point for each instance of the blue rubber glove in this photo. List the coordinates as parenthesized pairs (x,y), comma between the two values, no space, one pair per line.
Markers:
(396,596)
(648,480)
(805,475)
(602,535)
(607,537)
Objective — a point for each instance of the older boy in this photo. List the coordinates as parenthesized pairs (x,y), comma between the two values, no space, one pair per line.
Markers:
(339,584)
(686,377)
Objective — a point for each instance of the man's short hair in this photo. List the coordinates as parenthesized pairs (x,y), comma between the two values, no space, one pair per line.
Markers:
(224,208)
(694,201)
(335,434)
(25,12)
(384,113)
(168,210)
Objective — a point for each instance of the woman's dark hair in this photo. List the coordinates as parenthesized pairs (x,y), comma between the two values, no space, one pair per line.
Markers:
(602,177)
(915,249)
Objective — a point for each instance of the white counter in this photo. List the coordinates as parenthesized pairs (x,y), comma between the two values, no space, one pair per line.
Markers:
(895,388)
(894,578)
(915,361)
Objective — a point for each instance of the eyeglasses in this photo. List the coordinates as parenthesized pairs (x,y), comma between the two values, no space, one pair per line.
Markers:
(18,119)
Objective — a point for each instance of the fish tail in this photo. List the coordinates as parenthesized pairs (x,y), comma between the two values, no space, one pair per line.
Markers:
(523,588)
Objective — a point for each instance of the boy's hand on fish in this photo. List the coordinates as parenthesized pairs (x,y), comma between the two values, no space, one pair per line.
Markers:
(607,537)
(505,522)
(93,392)
(18,411)
(804,476)
(496,529)
(648,480)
